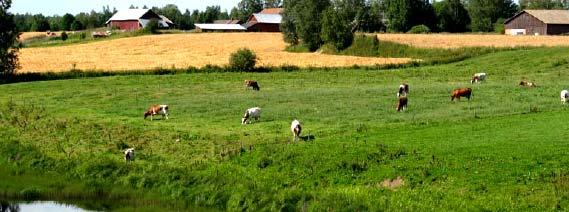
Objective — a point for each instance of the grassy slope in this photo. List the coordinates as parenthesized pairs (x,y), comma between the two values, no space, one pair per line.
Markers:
(492,153)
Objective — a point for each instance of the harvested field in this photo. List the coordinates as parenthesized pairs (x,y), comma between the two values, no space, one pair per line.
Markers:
(469,40)
(180,51)
(27,35)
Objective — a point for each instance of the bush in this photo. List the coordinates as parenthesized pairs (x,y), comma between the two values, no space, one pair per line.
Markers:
(499,26)
(83,35)
(151,27)
(419,29)
(64,36)
(243,59)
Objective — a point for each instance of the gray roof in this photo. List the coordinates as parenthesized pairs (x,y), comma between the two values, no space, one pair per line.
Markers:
(268,18)
(220,26)
(550,16)
(166,19)
(137,14)
(128,14)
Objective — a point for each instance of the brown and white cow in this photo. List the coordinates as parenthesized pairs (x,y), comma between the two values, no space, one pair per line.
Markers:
(478,77)
(250,114)
(403,90)
(402,104)
(461,92)
(157,109)
(296,129)
(527,84)
(253,84)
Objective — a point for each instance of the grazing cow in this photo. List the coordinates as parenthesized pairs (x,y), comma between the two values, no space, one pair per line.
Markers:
(564,96)
(129,154)
(251,113)
(157,109)
(101,34)
(402,104)
(460,92)
(296,129)
(403,90)
(478,77)
(527,84)
(253,84)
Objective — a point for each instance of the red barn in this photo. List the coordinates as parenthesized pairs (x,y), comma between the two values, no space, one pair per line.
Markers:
(134,19)
(268,20)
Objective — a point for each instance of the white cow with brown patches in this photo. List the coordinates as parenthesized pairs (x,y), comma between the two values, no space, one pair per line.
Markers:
(157,110)
(251,113)
(296,129)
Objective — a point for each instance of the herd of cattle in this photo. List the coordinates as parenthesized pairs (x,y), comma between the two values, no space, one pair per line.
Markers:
(296,129)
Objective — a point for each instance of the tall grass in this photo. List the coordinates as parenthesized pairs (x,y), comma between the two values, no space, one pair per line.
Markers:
(370,46)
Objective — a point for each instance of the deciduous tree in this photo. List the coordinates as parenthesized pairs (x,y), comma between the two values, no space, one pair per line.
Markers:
(9,44)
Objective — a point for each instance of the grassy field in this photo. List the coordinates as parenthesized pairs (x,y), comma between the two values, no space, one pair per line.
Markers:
(180,51)
(503,150)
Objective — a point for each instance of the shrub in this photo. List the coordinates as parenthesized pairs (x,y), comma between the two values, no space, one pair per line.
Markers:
(64,36)
(151,27)
(499,26)
(243,59)
(83,35)
(419,29)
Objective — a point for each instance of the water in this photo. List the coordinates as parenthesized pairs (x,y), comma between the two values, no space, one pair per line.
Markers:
(39,206)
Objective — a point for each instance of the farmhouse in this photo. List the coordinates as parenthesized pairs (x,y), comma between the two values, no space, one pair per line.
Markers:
(538,22)
(268,20)
(134,19)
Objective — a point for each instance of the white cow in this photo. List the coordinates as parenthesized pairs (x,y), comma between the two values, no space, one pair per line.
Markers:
(478,77)
(129,154)
(296,129)
(564,96)
(251,113)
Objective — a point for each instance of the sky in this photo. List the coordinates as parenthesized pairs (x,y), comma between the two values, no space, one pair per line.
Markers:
(60,7)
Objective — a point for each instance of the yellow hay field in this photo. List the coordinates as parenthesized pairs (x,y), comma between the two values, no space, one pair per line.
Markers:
(179,51)
(470,40)
(27,35)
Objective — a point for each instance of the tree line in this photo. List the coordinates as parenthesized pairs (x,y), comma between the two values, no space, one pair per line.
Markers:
(182,20)
(315,22)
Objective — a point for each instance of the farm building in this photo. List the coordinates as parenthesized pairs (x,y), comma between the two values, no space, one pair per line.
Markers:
(227,22)
(538,22)
(268,20)
(219,28)
(134,19)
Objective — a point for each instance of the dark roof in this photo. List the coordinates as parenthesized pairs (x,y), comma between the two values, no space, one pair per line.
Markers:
(227,22)
(272,11)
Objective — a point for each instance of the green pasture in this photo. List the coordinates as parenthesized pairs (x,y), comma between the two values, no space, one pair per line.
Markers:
(505,149)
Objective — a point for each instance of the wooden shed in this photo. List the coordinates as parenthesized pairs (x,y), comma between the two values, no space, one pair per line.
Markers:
(538,22)
(134,19)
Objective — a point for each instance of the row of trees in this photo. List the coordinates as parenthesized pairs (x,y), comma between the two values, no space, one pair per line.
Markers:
(184,21)
(315,22)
